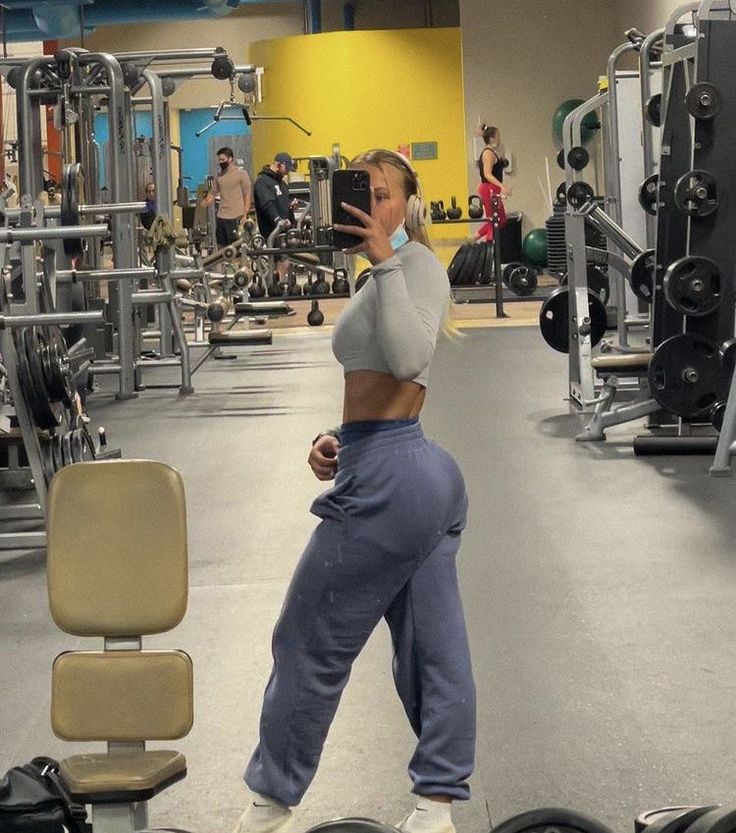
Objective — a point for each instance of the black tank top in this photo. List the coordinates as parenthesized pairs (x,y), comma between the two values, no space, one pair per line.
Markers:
(496,170)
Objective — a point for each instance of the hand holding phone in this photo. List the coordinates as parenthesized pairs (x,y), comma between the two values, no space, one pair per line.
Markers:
(354,188)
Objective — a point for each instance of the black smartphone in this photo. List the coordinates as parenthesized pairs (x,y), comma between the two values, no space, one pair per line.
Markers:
(354,188)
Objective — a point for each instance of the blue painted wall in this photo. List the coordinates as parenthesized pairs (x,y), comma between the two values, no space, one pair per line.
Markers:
(197,162)
(143,127)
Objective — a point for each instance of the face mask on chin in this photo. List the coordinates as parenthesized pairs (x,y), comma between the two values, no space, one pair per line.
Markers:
(399,237)
(224,166)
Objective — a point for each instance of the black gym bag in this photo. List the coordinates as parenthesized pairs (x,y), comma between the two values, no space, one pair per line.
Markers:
(34,800)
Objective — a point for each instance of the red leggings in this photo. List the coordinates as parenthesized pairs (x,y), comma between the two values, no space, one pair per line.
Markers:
(486,190)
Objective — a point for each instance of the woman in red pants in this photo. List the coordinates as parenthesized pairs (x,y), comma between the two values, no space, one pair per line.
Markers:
(490,166)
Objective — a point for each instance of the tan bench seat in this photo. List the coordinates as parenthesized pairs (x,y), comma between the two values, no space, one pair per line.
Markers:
(630,363)
(121,776)
(243,337)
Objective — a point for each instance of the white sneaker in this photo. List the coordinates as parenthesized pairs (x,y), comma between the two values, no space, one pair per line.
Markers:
(428,817)
(263,815)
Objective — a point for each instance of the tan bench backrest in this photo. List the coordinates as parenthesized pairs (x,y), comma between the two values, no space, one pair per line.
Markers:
(117,548)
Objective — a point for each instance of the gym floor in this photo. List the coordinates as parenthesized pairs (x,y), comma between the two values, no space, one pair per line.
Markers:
(598,590)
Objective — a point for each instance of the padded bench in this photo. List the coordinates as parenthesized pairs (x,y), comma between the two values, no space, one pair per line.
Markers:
(622,364)
(122,777)
(233,338)
(271,309)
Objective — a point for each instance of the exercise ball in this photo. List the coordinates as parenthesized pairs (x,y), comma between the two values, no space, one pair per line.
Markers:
(588,127)
(534,248)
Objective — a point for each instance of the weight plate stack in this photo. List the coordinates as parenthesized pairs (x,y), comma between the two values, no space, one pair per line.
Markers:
(686,376)
(44,413)
(556,248)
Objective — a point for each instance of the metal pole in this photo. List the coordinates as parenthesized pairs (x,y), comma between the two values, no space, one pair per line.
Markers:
(123,233)
(166,257)
(647,136)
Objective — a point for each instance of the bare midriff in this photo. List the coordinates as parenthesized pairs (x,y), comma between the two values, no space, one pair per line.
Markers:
(373,395)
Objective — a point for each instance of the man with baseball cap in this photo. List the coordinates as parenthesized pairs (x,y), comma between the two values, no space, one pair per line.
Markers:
(271,199)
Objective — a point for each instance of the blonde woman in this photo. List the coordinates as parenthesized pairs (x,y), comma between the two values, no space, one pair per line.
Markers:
(388,538)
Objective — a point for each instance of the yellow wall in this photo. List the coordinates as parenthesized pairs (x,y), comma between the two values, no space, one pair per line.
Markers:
(365,89)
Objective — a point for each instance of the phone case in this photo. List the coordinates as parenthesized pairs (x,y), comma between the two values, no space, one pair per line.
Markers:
(353,187)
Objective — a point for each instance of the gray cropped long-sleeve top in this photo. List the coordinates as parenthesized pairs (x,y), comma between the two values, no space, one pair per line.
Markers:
(391,325)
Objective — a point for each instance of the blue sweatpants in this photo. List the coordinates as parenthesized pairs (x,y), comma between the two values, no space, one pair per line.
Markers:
(386,546)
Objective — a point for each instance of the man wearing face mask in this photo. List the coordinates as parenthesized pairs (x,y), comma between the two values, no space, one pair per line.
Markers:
(232,186)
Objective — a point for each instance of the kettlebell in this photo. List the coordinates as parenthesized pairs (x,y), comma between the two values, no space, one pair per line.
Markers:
(216,312)
(320,286)
(441,214)
(434,212)
(453,212)
(475,208)
(256,289)
(340,285)
(315,316)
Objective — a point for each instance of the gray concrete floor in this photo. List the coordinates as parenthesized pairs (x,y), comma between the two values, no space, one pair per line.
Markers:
(598,589)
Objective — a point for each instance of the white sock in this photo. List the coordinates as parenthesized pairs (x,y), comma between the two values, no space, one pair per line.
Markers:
(262,815)
(429,817)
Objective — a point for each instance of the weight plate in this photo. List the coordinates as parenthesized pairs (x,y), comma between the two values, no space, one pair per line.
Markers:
(486,274)
(692,286)
(554,319)
(561,192)
(653,110)
(703,101)
(56,452)
(686,376)
(352,825)
(56,365)
(695,194)
(43,411)
(454,270)
(641,275)
(508,269)
(551,820)
(579,193)
(673,819)
(89,452)
(578,158)
(719,820)
(727,355)
(66,448)
(561,158)
(47,459)
(523,281)
(717,412)
(72,196)
(649,194)
(646,819)
(76,445)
